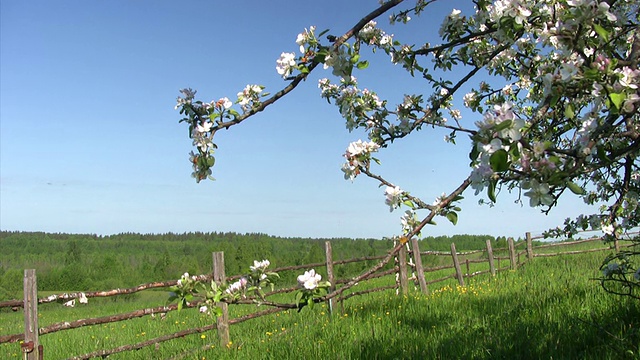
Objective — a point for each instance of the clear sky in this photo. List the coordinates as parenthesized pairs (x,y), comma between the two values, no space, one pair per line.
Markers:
(90,140)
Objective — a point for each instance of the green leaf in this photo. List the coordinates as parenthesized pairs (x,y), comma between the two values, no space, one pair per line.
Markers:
(299,297)
(453,217)
(569,111)
(503,125)
(355,58)
(617,99)
(363,65)
(491,191)
(575,188)
(604,34)
(210,161)
(499,161)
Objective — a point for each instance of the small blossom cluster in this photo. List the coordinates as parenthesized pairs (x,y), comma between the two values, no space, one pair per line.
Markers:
(186,279)
(357,107)
(249,97)
(393,196)
(309,280)
(358,156)
(376,36)
(409,221)
(237,287)
(286,64)
(502,114)
(339,61)
(307,40)
(259,265)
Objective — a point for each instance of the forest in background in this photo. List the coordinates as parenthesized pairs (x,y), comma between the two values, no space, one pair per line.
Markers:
(81,262)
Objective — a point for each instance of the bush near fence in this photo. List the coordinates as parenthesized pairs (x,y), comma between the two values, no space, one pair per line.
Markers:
(409,267)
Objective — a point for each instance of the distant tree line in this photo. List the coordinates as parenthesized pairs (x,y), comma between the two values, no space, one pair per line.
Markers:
(71,262)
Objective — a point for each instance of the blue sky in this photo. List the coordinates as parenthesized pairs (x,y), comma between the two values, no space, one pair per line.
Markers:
(90,140)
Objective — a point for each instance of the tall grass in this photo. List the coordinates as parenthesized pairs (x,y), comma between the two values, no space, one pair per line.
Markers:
(550,308)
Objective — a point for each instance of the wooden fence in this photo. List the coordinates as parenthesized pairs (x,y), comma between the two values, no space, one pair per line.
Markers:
(460,263)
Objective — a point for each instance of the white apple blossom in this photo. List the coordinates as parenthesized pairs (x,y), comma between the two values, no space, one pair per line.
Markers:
(303,38)
(608,229)
(538,193)
(628,77)
(259,265)
(309,280)
(285,64)
(205,127)
(393,197)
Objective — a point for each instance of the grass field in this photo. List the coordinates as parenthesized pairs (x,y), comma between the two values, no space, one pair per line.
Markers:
(550,308)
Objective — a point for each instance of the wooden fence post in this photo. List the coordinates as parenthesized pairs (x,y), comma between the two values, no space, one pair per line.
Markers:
(512,254)
(456,264)
(402,269)
(529,247)
(31,347)
(417,259)
(492,266)
(330,275)
(222,321)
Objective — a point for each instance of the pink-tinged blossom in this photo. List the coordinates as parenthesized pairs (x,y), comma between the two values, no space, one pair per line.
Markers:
(237,286)
(628,77)
(224,103)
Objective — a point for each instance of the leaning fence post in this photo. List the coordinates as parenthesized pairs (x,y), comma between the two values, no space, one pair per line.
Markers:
(30,347)
(222,321)
(402,269)
(529,247)
(456,264)
(492,266)
(330,275)
(512,254)
(417,259)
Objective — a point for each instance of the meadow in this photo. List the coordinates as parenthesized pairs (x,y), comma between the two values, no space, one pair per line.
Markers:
(549,308)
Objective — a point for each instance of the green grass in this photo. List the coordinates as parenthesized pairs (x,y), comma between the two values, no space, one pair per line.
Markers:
(550,308)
